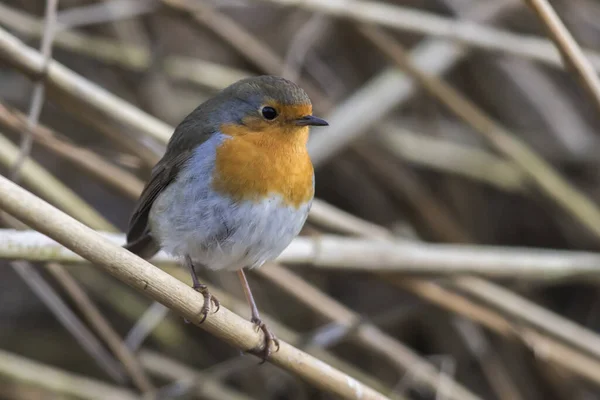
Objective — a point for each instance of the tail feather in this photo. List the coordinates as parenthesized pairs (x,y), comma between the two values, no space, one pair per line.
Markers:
(145,246)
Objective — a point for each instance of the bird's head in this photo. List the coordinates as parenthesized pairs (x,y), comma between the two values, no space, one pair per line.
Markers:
(266,104)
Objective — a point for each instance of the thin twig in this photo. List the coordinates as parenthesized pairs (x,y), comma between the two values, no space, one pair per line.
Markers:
(46,185)
(86,160)
(572,54)
(65,383)
(205,386)
(104,329)
(251,47)
(489,360)
(144,326)
(63,313)
(107,11)
(37,99)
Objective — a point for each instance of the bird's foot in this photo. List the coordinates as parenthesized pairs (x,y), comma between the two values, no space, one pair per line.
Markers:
(269,339)
(208,299)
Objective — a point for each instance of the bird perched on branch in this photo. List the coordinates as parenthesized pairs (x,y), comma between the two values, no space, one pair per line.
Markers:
(234,186)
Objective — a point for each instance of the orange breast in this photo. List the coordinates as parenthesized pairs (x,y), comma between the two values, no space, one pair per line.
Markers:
(255,165)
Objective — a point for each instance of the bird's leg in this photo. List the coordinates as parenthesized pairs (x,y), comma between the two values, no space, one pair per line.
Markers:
(202,288)
(269,337)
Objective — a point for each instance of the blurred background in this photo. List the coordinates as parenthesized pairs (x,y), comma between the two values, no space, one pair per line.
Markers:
(452,122)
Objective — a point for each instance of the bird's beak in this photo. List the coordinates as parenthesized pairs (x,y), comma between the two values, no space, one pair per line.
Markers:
(311,120)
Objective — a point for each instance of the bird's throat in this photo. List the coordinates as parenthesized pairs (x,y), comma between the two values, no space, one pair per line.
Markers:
(256,165)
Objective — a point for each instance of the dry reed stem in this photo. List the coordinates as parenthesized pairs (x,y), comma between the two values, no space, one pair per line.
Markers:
(37,98)
(104,329)
(240,307)
(347,223)
(91,312)
(408,19)
(170,292)
(431,379)
(330,252)
(572,54)
(406,187)
(83,158)
(541,173)
(113,52)
(83,336)
(39,177)
(46,185)
(333,219)
(546,348)
(390,88)
(59,381)
(249,46)
(493,39)
(41,248)
(116,296)
(488,358)
(204,385)
(531,314)
(453,158)
(422,372)
(87,100)
(526,330)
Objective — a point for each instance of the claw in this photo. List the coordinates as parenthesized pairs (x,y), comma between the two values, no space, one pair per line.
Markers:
(208,299)
(269,339)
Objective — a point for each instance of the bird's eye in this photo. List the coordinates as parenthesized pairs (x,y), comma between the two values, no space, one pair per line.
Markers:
(269,113)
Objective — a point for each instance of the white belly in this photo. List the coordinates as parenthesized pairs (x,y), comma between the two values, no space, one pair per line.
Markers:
(189,219)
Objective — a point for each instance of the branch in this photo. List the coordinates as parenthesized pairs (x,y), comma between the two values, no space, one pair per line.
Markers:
(366,255)
(572,54)
(21,369)
(170,292)
(46,185)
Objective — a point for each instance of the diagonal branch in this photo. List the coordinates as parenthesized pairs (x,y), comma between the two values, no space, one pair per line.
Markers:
(572,54)
(170,292)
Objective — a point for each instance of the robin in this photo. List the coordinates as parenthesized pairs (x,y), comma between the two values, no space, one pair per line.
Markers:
(234,186)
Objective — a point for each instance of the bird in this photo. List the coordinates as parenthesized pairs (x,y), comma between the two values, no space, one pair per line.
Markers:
(234,186)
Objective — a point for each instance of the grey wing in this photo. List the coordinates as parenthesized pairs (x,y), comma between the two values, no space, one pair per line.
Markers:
(139,237)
